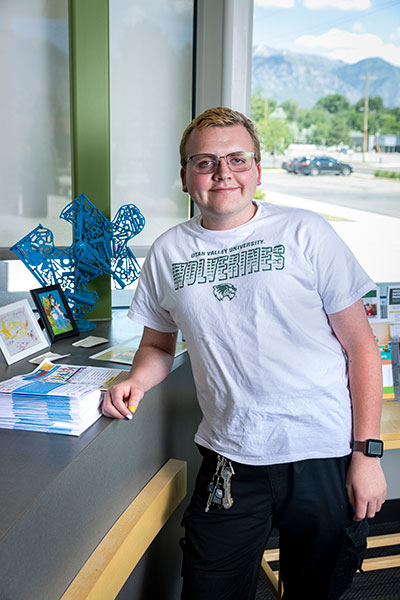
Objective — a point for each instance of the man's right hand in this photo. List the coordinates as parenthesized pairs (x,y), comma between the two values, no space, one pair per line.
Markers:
(121,400)
(151,364)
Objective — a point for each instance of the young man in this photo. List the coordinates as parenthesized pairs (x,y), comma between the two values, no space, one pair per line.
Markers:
(287,374)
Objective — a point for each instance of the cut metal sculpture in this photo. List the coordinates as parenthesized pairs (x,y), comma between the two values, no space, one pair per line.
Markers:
(99,247)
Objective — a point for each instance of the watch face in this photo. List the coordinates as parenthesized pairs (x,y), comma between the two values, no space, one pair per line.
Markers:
(374,448)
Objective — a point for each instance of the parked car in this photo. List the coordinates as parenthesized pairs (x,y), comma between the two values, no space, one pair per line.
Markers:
(300,160)
(287,164)
(321,165)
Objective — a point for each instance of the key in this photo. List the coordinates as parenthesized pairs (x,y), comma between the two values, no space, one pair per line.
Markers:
(217,493)
(213,487)
(226,474)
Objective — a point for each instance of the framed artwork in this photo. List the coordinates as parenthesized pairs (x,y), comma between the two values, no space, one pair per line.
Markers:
(56,314)
(20,333)
(372,304)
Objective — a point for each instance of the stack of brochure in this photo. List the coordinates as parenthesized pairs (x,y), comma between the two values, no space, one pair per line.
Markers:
(55,398)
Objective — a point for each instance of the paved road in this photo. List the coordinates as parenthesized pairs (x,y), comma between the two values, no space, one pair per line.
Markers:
(370,169)
(365,193)
(367,164)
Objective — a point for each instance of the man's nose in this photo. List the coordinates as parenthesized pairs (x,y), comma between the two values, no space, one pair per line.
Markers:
(223,171)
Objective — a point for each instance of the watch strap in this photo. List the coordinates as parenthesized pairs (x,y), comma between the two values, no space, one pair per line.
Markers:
(370,447)
(358,446)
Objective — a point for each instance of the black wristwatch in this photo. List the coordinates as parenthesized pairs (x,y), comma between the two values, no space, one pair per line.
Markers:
(372,448)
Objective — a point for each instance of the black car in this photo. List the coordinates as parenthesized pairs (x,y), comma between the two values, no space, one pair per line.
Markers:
(321,165)
(300,160)
(287,164)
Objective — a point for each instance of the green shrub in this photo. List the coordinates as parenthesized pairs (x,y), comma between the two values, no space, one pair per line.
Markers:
(387,174)
(259,195)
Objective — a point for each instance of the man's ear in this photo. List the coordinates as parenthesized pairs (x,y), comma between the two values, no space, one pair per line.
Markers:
(259,174)
(183,179)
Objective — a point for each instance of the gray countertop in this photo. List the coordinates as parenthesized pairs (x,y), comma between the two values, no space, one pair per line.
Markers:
(60,494)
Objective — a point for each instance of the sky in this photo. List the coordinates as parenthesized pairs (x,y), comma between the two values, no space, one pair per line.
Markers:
(349,30)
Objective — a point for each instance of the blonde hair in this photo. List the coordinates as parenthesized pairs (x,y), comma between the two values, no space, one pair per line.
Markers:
(220,116)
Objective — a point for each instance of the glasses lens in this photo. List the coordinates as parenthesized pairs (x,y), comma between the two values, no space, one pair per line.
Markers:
(239,161)
(208,163)
(205,163)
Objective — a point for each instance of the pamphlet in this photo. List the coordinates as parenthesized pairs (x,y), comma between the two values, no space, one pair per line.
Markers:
(393,303)
(124,352)
(89,341)
(49,355)
(395,343)
(381,331)
(53,398)
(99,377)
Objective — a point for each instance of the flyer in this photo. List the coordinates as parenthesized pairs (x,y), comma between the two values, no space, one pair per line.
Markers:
(381,331)
(393,303)
(124,352)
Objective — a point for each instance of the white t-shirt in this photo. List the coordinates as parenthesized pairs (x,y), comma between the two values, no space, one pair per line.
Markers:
(252,305)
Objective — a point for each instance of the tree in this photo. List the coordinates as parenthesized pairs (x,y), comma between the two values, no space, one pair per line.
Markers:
(291,109)
(338,131)
(376,111)
(395,112)
(275,135)
(355,121)
(375,103)
(334,104)
(315,122)
(258,107)
(389,124)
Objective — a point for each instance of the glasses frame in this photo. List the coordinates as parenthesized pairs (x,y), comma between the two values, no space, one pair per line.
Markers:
(218,161)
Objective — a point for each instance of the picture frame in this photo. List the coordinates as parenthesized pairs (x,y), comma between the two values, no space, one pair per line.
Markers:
(55,312)
(20,332)
(372,304)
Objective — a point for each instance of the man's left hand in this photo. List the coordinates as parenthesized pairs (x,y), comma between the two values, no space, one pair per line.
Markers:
(366,485)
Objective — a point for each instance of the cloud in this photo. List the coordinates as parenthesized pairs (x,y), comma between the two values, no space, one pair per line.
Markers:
(351,47)
(395,34)
(338,4)
(275,3)
(358,27)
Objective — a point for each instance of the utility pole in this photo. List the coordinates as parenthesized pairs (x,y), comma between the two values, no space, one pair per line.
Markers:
(266,109)
(366,108)
(366,101)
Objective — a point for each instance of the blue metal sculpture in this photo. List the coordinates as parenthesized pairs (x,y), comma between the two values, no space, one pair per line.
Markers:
(99,247)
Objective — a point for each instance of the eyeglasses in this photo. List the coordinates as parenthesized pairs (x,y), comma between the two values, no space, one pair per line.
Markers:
(209,163)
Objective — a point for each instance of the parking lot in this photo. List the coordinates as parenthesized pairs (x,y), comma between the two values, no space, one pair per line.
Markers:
(364,211)
(360,191)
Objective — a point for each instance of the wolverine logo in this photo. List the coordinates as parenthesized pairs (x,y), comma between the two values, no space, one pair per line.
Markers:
(224,290)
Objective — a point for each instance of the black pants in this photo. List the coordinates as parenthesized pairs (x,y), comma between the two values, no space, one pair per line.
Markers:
(321,547)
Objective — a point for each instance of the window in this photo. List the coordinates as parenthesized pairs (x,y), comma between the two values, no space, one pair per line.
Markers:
(151,53)
(35,145)
(305,104)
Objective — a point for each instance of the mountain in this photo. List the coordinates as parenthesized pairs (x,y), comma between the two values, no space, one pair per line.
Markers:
(281,75)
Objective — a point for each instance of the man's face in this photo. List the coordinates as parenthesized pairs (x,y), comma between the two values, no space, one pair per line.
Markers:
(225,197)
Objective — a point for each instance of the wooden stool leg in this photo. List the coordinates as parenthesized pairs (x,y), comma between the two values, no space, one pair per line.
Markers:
(369,564)
(273,577)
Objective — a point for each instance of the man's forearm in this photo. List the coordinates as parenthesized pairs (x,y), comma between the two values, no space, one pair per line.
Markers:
(365,369)
(365,378)
(366,485)
(150,366)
